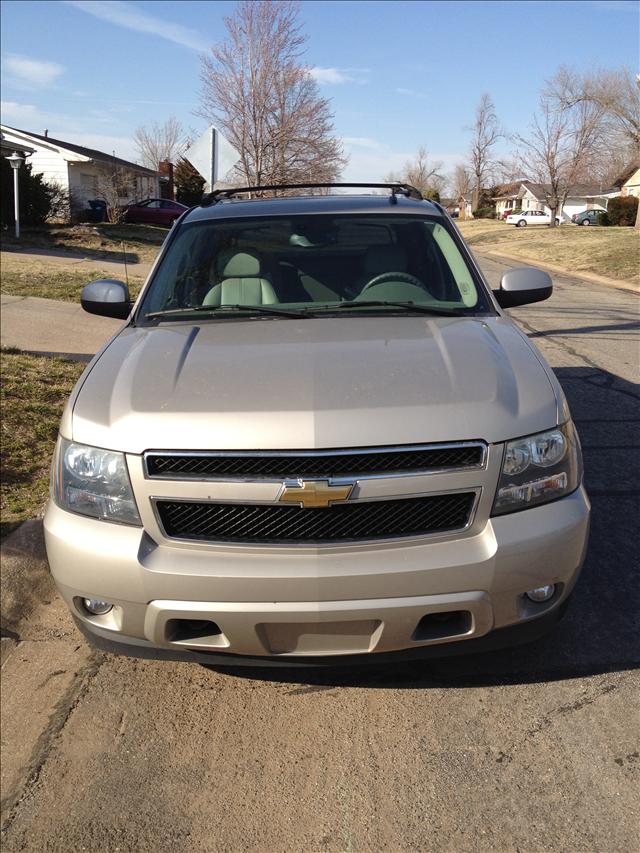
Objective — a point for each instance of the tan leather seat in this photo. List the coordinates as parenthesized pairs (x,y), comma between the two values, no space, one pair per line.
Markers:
(241,283)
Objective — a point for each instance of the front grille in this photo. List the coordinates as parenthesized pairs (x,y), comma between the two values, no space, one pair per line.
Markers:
(271,523)
(313,465)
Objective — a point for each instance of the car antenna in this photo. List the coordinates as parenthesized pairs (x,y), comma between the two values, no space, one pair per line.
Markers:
(124,259)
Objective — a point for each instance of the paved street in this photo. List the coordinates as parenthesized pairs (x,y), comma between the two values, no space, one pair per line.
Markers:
(532,749)
(52,327)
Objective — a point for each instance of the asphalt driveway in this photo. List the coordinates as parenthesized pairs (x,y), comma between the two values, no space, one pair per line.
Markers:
(532,749)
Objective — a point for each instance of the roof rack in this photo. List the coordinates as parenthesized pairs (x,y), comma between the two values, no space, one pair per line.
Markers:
(396,189)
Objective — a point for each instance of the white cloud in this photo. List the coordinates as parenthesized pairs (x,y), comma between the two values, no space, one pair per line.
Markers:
(14,113)
(125,15)
(122,146)
(410,93)
(32,73)
(361,142)
(68,128)
(335,76)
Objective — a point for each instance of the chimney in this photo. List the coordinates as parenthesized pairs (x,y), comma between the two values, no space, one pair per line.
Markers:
(46,133)
(165,168)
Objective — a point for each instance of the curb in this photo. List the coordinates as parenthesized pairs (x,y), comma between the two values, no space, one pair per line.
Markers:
(25,580)
(620,283)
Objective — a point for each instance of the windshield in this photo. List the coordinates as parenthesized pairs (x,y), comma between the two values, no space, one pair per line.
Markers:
(313,264)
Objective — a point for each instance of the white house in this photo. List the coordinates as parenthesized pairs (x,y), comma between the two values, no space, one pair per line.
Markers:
(526,195)
(629,181)
(509,197)
(581,197)
(78,169)
(7,148)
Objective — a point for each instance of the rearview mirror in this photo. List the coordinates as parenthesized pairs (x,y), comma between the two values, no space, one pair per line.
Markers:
(107,298)
(522,286)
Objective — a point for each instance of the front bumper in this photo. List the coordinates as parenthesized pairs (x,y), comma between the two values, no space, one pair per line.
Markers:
(325,604)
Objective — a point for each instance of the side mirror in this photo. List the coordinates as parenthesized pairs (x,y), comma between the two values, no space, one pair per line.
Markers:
(107,298)
(522,286)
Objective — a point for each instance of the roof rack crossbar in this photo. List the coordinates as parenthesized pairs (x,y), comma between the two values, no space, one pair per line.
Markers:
(396,189)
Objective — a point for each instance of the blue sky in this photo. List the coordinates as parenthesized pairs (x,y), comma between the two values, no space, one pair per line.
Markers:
(399,74)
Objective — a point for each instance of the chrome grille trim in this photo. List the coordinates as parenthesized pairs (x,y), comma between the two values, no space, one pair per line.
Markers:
(353,473)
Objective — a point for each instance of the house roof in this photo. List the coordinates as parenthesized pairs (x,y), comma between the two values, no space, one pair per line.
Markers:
(14,146)
(540,191)
(91,153)
(628,172)
(510,190)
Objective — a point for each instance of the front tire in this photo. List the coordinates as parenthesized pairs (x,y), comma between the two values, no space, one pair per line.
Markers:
(521,223)
(585,222)
(557,221)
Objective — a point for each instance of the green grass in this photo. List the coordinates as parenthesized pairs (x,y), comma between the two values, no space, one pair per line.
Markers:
(612,251)
(101,241)
(52,282)
(34,391)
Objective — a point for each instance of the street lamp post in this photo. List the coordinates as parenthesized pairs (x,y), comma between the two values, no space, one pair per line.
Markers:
(16,161)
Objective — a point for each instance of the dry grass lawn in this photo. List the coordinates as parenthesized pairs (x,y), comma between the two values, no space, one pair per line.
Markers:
(52,282)
(101,241)
(611,251)
(34,391)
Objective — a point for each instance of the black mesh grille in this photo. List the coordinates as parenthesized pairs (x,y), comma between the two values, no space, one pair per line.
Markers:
(349,463)
(215,522)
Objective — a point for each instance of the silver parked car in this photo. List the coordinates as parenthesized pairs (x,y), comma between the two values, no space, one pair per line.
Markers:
(317,439)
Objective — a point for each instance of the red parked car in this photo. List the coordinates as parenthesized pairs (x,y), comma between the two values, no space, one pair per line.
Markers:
(154,211)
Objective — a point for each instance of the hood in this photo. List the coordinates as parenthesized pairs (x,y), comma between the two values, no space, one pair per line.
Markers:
(315,383)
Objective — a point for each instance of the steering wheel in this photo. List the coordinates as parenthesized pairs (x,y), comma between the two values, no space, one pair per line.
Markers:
(403,277)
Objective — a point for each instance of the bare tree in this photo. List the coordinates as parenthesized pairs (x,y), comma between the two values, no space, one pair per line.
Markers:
(462,181)
(421,174)
(255,88)
(159,142)
(113,187)
(561,143)
(508,169)
(486,132)
(617,94)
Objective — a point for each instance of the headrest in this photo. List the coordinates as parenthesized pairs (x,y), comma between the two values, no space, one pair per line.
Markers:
(240,265)
(381,259)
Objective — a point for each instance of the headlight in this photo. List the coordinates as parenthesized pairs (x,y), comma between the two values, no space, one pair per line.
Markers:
(539,469)
(94,482)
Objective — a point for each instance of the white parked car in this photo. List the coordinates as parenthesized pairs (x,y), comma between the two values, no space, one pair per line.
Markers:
(530,217)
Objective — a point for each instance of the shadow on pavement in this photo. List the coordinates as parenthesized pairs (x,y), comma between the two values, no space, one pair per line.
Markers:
(601,631)
(586,330)
(111,255)
(68,356)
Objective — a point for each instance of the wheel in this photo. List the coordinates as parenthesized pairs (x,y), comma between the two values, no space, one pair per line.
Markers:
(557,221)
(521,223)
(585,222)
(405,277)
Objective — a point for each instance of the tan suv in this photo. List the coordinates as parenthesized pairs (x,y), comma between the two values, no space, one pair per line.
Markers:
(316,439)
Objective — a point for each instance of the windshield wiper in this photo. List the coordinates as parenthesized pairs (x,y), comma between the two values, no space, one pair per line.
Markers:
(379,303)
(223,309)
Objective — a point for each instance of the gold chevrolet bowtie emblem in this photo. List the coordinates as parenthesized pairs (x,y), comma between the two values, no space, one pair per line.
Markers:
(312,494)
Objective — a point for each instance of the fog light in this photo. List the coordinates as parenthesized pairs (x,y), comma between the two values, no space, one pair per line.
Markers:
(96,607)
(541,593)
